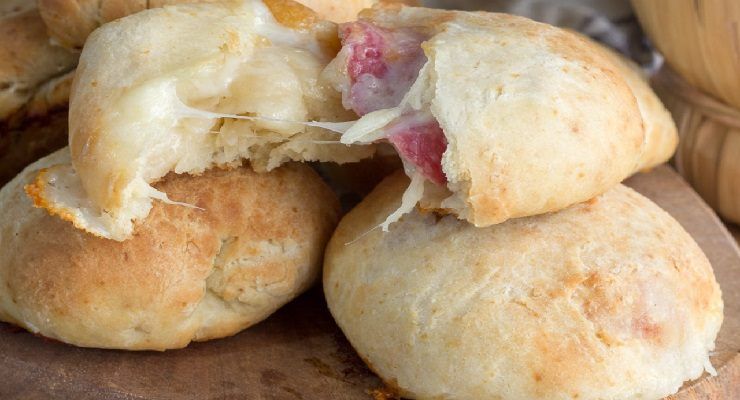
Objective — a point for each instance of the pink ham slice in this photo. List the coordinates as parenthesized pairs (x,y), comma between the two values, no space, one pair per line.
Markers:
(382,65)
(419,140)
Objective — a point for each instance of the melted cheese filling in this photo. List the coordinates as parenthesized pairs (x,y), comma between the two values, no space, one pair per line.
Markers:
(383,76)
(253,93)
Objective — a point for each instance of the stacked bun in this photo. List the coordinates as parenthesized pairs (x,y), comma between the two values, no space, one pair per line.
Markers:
(506,261)
(528,271)
(254,242)
(42,40)
(228,248)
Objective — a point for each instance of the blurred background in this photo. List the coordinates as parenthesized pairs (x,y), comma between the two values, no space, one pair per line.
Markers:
(611,22)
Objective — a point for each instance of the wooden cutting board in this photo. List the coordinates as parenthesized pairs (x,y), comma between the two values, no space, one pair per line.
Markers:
(299,353)
(735,232)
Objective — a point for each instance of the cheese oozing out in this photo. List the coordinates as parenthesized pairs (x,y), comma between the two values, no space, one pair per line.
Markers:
(261,98)
(243,87)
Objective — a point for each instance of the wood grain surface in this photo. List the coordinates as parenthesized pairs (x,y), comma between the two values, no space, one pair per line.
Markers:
(299,353)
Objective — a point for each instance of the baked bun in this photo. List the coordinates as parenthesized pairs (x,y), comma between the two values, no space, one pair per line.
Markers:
(30,59)
(608,299)
(501,116)
(255,242)
(70,22)
(185,88)
(35,77)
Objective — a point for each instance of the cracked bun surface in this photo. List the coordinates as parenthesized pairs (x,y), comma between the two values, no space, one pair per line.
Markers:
(608,299)
(187,274)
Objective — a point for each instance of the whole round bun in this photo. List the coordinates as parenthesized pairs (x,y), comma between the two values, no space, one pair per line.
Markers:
(187,274)
(609,299)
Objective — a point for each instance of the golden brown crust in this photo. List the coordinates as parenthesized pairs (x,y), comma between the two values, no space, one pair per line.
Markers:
(292,14)
(295,15)
(254,243)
